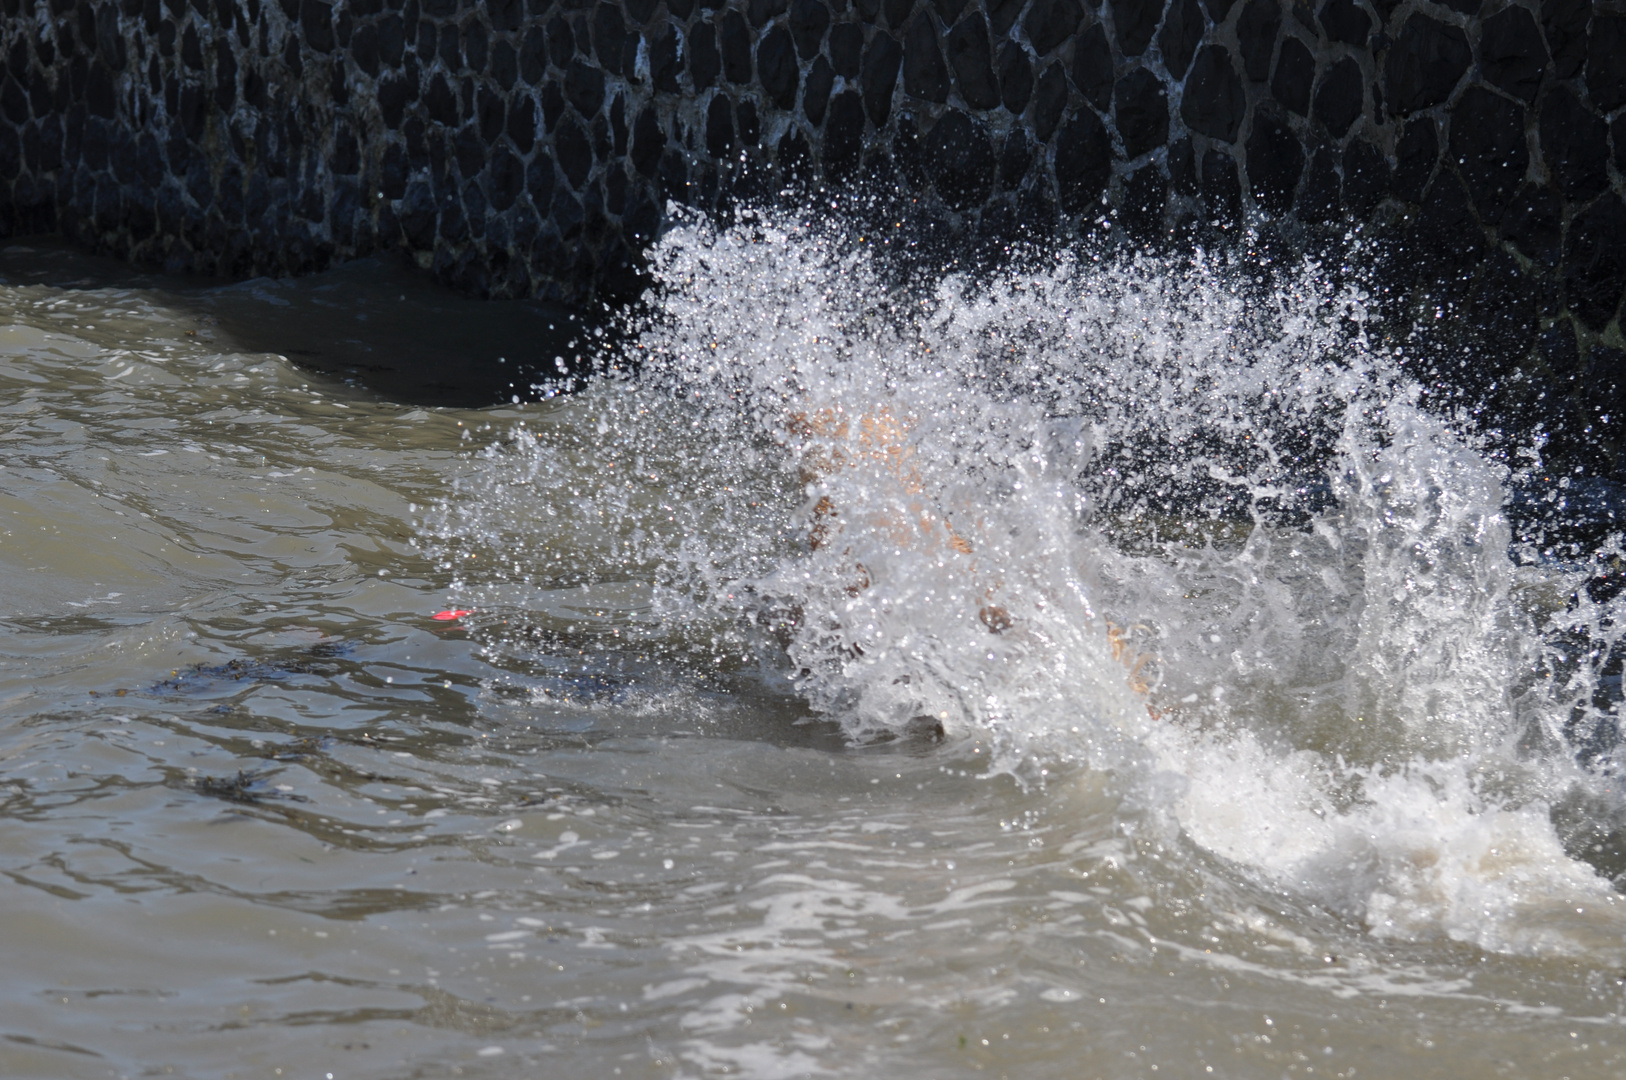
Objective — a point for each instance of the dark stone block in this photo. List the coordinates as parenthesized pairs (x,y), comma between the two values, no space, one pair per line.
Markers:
(574,152)
(1015,158)
(1015,77)
(454,224)
(1182,32)
(1557,348)
(734,37)
(392,100)
(1214,104)
(533,54)
(470,151)
(192,49)
(561,41)
(1346,22)
(896,12)
(491,113)
(1092,67)
(648,142)
(776,67)
(821,78)
(1511,53)
(750,127)
(809,19)
(1295,73)
(392,38)
(584,88)
(1415,154)
(418,217)
(880,75)
(925,75)
(705,62)
(1366,178)
(610,36)
(948,10)
(1617,131)
(1083,162)
(1533,225)
(720,128)
(960,160)
(1257,29)
(1487,141)
(664,65)
(1141,106)
(1049,102)
(440,102)
(392,173)
(1318,203)
(522,123)
(316,20)
(1565,22)
(1425,64)
(346,157)
(364,50)
(1222,190)
(13,102)
(507,175)
(1051,22)
(673,179)
(1595,262)
(1606,62)
(474,205)
(1575,143)
(843,134)
(1135,22)
(972,61)
(1275,161)
(1182,163)
(846,49)
(1338,102)
(794,155)
(476,47)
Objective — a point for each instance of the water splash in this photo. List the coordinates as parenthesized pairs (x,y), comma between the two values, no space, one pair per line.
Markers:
(1185,521)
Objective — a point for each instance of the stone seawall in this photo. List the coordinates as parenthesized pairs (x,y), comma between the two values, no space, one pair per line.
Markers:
(528,147)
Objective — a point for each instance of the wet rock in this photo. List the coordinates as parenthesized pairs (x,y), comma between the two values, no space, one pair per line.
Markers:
(1338,102)
(1574,142)
(1532,224)
(574,152)
(1295,74)
(1319,200)
(762,12)
(1140,209)
(1083,162)
(880,76)
(843,134)
(1015,78)
(1275,162)
(1051,22)
(1415,154)
(821,78)
(1135,21)
(1606,61)
(1092,67)
(705,61)
(734,40)
(1488,144)
(1344,21)
(1617,131)
(1213,103)
(846,49)
(1425,64)
(584,88)
(809,19)
(776,67)
(972,62)
(1595,262)
(522,123)
(648,144)
(1015,158)
(720,128)
(561,41)
(664,64)
(925,75)
(1049,102)
(1565,23)
(1002,16)
(896,12)
(1221,188)
(1257,29)
(794,155)
(1366,177)
(1182,32)
(948,10)
(1182,164)
(960,159)
(316,23)
(1512,55)
(1141,106)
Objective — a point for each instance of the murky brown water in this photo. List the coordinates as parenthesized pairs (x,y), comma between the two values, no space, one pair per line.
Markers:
(261,816)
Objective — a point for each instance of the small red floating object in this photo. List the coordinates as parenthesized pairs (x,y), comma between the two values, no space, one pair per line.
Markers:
(450,614)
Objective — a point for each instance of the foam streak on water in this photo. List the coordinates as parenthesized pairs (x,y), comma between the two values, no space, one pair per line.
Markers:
(1246,574)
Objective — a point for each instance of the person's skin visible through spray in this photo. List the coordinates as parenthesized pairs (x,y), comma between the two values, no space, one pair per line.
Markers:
(877,439)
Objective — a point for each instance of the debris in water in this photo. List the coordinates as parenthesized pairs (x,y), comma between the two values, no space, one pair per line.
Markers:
(450,614)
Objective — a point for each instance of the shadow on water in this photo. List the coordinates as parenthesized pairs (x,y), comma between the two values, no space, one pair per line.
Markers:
(376,324)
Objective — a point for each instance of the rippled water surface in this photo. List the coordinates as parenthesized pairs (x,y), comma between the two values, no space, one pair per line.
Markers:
(1094,670)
